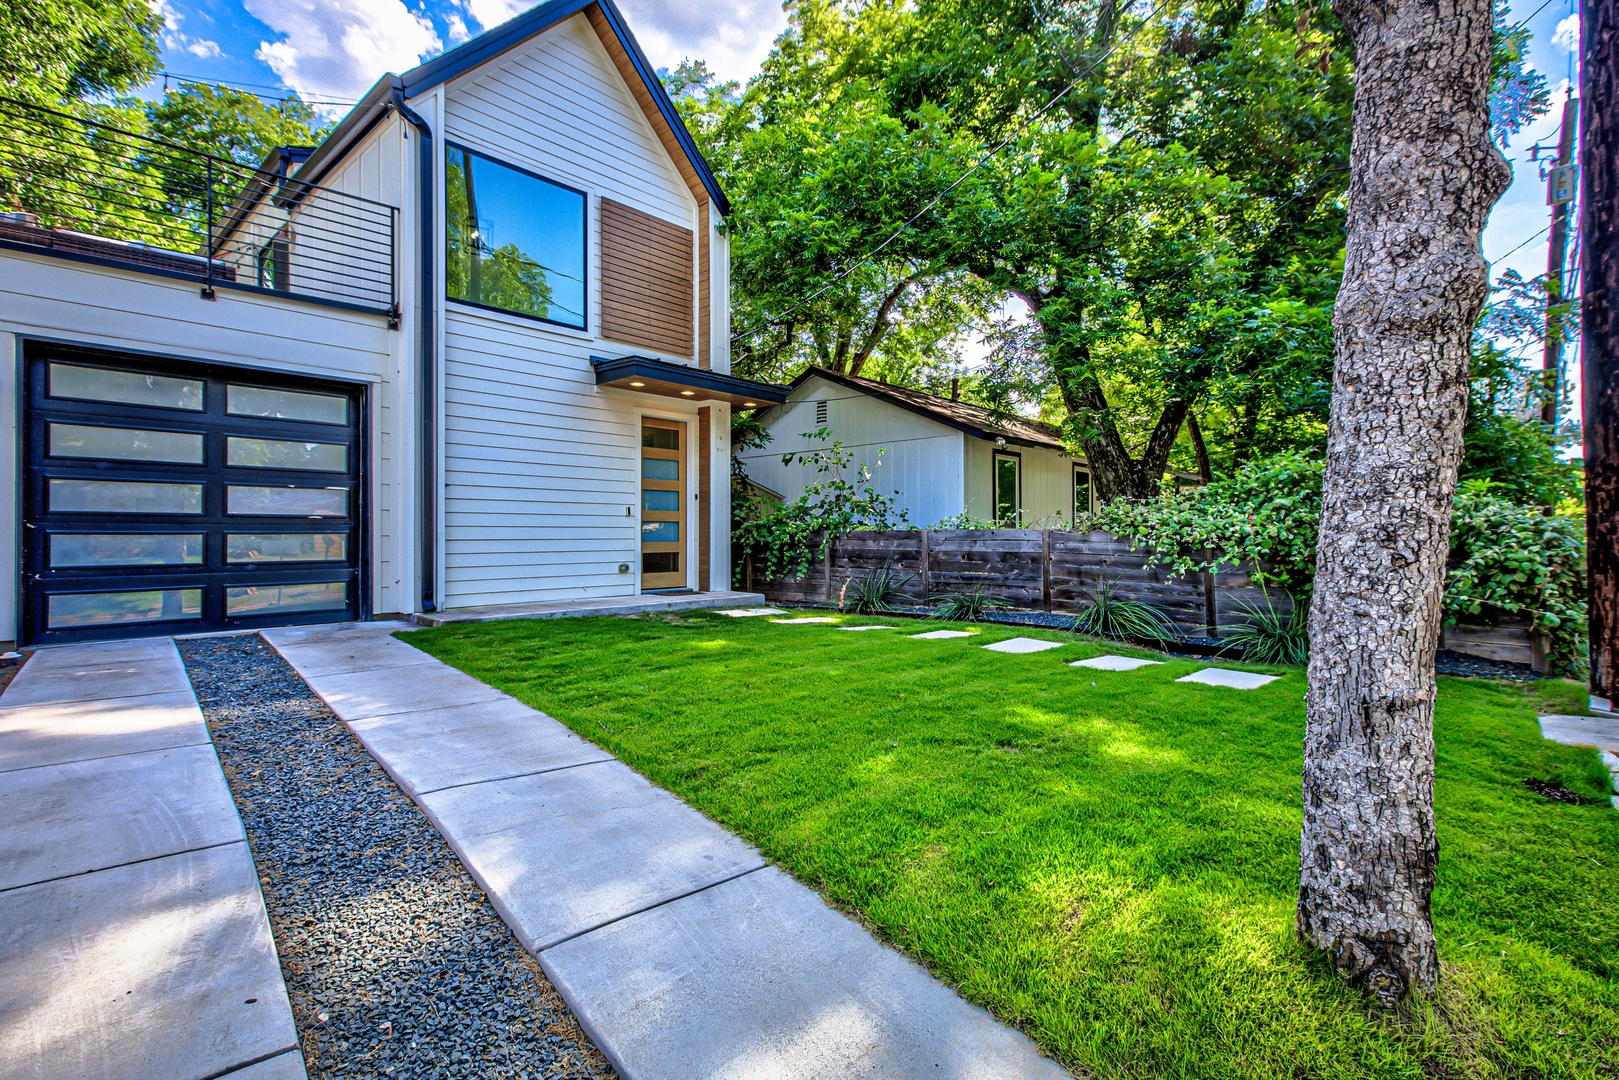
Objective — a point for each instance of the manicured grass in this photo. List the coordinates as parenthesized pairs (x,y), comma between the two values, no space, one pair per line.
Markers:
(1108,860)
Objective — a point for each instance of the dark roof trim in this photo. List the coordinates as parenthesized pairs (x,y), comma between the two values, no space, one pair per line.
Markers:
(350,130)
(616,368)
(938,416)
(485,47)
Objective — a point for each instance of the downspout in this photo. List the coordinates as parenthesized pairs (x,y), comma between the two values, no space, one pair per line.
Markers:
(428,392)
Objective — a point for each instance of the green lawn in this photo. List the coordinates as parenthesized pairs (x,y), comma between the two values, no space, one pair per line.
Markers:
(1107,860)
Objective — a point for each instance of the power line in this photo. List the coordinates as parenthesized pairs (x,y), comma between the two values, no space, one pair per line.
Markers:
(980,163)
(251,89)
(1521,246)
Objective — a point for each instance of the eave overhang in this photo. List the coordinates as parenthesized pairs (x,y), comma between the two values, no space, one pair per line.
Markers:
(644,375)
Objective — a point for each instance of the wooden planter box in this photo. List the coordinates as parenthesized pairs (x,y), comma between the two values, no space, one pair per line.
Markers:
(1512,642)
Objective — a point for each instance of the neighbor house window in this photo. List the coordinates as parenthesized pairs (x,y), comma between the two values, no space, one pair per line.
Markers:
(274,262)
(513,240)
(1007,485)
(1082,491)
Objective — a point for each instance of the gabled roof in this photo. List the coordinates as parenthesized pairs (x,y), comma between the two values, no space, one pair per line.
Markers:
(621,45)
(971,419)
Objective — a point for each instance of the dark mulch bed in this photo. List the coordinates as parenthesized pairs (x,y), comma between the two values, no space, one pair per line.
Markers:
(395,962)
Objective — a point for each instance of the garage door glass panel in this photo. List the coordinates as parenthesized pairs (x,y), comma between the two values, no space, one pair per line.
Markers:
(125,444)
(126,549)
(283,454)
(285,599)
(286,405)
(125,387)
(124,497)
(69,611)
(287,501)
(286,547)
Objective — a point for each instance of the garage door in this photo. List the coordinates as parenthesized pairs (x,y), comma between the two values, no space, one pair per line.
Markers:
(164,498)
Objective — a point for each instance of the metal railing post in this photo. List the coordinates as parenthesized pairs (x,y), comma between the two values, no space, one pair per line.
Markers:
(208,252)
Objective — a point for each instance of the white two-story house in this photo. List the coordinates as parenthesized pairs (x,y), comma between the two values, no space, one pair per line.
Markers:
(472,350)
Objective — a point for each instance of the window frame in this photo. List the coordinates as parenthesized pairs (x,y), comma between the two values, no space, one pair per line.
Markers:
(583,326)
(995,460)
(1090,489)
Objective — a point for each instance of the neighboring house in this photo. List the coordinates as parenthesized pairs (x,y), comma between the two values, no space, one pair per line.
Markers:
(943,458)
(471,350)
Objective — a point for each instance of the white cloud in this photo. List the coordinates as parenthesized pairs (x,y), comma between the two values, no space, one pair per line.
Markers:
(339,48)
(734,36)
(174,38)
(1567,36)
(203,48)
(457,29)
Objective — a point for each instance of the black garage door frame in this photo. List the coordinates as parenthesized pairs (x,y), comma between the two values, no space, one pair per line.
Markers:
(213,573)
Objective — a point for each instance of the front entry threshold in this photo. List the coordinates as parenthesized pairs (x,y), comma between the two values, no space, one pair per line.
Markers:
(682,591)
(645,603)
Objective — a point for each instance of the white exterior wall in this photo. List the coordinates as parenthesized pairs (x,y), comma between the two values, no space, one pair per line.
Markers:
(921,460)
(46,297)
(541,476)
(1048,484)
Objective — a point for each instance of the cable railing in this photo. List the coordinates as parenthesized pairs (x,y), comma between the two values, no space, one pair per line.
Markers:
(86,189)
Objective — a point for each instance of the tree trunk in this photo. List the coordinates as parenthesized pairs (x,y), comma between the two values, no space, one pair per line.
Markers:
(1423,178)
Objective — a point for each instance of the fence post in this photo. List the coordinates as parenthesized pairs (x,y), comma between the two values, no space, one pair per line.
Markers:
(927,585)
(1045,568)
(1210,613)
(831,542)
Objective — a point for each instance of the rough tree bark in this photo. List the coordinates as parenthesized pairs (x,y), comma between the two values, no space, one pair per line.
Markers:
(1424,175)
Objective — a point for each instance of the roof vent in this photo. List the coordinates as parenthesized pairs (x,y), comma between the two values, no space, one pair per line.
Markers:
(820,412)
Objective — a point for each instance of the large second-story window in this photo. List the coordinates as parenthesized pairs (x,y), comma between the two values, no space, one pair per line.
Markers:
(513,240)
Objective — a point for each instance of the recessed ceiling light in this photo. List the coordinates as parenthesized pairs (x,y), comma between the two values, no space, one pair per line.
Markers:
(687,393)
(637,384)
(749,405)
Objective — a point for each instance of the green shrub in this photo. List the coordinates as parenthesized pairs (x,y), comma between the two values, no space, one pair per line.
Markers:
(875,592)
(1268,636)
(1111,616)
(969,605)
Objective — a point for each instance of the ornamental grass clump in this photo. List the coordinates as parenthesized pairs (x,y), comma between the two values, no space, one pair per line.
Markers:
(969,605)
(1112,616)
(875,592)
(1268,636)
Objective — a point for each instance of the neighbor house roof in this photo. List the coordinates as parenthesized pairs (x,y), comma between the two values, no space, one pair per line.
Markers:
(971,419)
(621,45)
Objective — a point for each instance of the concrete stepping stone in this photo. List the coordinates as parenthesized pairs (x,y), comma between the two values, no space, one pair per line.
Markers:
(61,820)
(1601,732)
(1022,645)
(1234,680)
(468,744)
(158,969)
(940,635)
(749,612)
(758,977)
(802,622)
(1113,663)
(873,627)
(563,852)
(35,735)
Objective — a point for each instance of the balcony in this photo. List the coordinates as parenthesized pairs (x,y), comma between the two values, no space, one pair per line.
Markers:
(81,189)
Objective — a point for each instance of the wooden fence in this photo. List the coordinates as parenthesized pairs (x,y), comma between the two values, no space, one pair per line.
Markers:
(1049,570)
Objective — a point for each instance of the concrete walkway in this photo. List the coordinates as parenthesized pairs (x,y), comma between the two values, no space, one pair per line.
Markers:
(133,937)
(683,955)
(641,604)
(1601,732)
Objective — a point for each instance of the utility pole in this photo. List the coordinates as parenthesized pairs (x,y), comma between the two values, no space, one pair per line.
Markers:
(1599,342)
(1560,183)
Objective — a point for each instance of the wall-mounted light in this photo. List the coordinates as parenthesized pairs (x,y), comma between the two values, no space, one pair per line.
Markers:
(1000,444)
(637,384)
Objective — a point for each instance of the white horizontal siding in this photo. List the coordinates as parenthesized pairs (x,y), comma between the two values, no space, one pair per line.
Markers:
(1048,483)
(540,479)
(46,297)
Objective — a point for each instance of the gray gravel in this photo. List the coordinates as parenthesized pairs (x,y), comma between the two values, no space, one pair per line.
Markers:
(395,962)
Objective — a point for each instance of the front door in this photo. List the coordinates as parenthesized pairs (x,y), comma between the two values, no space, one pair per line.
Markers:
(663,504)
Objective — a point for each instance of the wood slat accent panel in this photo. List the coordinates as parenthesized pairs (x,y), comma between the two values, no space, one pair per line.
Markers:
(705,333)
(705,496)
(646,280)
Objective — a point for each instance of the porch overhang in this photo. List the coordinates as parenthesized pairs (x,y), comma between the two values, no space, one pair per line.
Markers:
(644,375)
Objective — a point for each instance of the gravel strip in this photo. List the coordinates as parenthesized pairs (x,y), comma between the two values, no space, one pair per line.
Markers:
(395,962)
